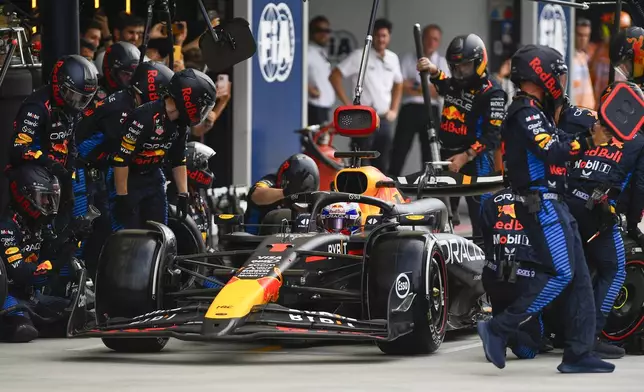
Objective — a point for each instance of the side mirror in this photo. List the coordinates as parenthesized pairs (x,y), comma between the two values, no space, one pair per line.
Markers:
(623,112)
(355,120)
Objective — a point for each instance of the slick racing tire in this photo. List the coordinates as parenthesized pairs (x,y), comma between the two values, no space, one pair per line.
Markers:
(130,281)
(625,323)
(418,257)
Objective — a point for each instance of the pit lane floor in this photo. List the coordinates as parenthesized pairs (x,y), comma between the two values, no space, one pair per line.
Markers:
(86,365)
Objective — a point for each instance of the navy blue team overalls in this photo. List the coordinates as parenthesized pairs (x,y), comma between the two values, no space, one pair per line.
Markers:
(535,154)
(608,169)
(511,264)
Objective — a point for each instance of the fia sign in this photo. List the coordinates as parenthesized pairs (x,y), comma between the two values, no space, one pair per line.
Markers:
(553,28)
(276,42)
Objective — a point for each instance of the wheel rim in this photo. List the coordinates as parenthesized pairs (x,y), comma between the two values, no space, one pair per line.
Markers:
(437,296)
(627,313)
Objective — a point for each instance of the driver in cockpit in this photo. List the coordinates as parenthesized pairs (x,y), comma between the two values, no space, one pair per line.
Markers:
(343,218)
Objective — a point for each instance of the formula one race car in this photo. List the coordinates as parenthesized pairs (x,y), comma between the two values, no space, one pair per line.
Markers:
(387,283)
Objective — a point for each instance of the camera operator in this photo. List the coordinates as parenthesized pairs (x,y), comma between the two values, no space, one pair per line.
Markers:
(152,132)
(472,113)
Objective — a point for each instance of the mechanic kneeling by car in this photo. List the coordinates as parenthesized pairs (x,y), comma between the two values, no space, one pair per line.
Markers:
(297,174)
(34,200)
(511,264)
(151,132)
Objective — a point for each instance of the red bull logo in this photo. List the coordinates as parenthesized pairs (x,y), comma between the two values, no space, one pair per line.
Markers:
(152,87)
(43,268)
(23,202)
(602,152)
(54,83)
(512,225)
(152,153)
(199,177)
(548,80)
(638,55)
(271,287)
(191,108)
(453,114)
(60,147)
(557,170)
(507,209)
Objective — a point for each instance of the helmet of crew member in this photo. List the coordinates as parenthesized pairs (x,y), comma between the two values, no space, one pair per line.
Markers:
(199,174)
(344,218)
(149,79)
(302,168)
(467,59)
(543,66)
(610,89)
(35,192)
(73,82)
(627,54)
(119,64)
(608,21)
(194,94)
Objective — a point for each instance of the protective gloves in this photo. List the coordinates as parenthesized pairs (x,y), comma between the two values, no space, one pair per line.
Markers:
(182,205)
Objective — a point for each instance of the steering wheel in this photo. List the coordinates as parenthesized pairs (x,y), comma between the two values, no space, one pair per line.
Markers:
(309,136)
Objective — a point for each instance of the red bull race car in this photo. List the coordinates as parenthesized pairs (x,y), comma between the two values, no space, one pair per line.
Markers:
(402,281)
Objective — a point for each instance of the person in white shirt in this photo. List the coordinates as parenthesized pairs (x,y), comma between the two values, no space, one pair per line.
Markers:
(382,89)
(321,94)
(413,113)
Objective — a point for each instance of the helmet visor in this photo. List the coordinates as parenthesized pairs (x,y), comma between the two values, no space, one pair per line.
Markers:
(563,80)
(625,70)
(74,99)
(46,201)
(463,70)
(125,77)
(207,108)
(333,224)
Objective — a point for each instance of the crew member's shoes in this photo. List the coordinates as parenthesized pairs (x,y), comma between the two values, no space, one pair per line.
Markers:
(493,344)
(587,364)
(18,329)
(546,345)
(608,351)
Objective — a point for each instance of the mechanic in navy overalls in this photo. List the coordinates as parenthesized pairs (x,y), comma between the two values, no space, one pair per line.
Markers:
(34,200)
(99,133)
(472,114)
(626,52)
(595,181)
(297,174)
(510,265)
(531,145)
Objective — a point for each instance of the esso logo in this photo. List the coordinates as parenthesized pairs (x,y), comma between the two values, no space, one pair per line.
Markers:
(553,30)
(403,286)
(276,42)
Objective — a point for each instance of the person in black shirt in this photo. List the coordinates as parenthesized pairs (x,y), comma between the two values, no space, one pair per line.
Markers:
(152,133)
(472,113)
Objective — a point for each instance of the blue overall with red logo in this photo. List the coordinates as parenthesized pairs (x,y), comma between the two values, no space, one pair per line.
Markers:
(609,167)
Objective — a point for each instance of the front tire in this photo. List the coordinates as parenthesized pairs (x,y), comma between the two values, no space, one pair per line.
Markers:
(429,309)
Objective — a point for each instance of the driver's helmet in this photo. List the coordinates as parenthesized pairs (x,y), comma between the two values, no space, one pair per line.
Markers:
(35,193)
(199,173)
(344,218)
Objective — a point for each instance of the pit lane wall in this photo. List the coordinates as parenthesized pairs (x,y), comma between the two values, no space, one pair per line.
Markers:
(269,92)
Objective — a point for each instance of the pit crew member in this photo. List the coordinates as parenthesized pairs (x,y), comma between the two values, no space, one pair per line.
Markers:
(98,134)
(472,114)
(530,147)
(595,182)
(34,200)
(511,264)
(119,63)
(297,174)
(154,132)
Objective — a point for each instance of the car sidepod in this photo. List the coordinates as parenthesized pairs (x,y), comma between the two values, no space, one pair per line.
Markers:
(405,275)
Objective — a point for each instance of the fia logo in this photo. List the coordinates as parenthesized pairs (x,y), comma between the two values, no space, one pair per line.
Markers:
(276,42)
(553,30)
